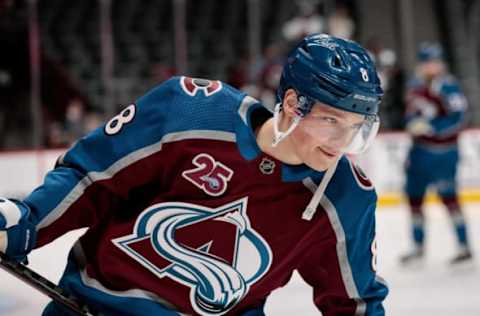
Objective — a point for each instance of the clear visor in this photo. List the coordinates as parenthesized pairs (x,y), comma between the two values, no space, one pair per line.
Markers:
(344,137)
(364,136)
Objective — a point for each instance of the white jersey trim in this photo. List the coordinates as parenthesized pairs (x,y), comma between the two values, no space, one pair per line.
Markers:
(345,268)
(247,102)
(124,162)
(132,293)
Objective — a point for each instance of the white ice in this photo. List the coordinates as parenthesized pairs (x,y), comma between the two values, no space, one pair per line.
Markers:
(432,289)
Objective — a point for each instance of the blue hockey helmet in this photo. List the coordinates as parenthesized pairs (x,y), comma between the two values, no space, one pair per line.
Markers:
(334,71)
(429,51)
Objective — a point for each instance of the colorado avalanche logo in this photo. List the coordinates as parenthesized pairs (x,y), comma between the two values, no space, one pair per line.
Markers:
(192,85)
(177,240)
(360,177)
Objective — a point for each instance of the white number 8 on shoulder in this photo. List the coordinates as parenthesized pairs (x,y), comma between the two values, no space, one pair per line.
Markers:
(116,123)
(373,248)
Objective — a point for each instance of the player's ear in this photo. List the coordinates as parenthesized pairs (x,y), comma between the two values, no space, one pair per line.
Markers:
(290,103)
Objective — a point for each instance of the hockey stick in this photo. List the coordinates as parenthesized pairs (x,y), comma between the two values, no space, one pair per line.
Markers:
(43,285)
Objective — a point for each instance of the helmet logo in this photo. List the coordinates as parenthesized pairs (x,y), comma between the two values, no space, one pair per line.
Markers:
(364,73)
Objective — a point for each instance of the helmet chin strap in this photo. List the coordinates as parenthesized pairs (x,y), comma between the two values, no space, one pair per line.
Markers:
(278,135)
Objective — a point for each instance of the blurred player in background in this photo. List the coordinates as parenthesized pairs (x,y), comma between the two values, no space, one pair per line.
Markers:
(435,116)
(201,200)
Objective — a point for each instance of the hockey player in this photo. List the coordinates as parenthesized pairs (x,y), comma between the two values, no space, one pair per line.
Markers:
(200,200)
(434,117)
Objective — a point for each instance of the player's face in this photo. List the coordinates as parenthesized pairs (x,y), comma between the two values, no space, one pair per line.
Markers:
(431,68)
(323,134)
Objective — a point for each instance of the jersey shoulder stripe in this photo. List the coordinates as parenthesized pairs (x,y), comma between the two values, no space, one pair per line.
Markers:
(352,192)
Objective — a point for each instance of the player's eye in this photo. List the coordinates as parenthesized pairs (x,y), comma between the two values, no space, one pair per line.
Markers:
(357,126)
(329,120)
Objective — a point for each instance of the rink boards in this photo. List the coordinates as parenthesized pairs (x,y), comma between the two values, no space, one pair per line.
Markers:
(384,164)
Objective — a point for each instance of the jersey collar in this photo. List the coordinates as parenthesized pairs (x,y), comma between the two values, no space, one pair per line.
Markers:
(248,146)
(246,140)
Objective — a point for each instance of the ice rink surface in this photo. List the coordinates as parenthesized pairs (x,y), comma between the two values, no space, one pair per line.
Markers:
(432,289)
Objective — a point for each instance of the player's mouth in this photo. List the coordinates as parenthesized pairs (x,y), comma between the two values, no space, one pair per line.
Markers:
(328,153)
